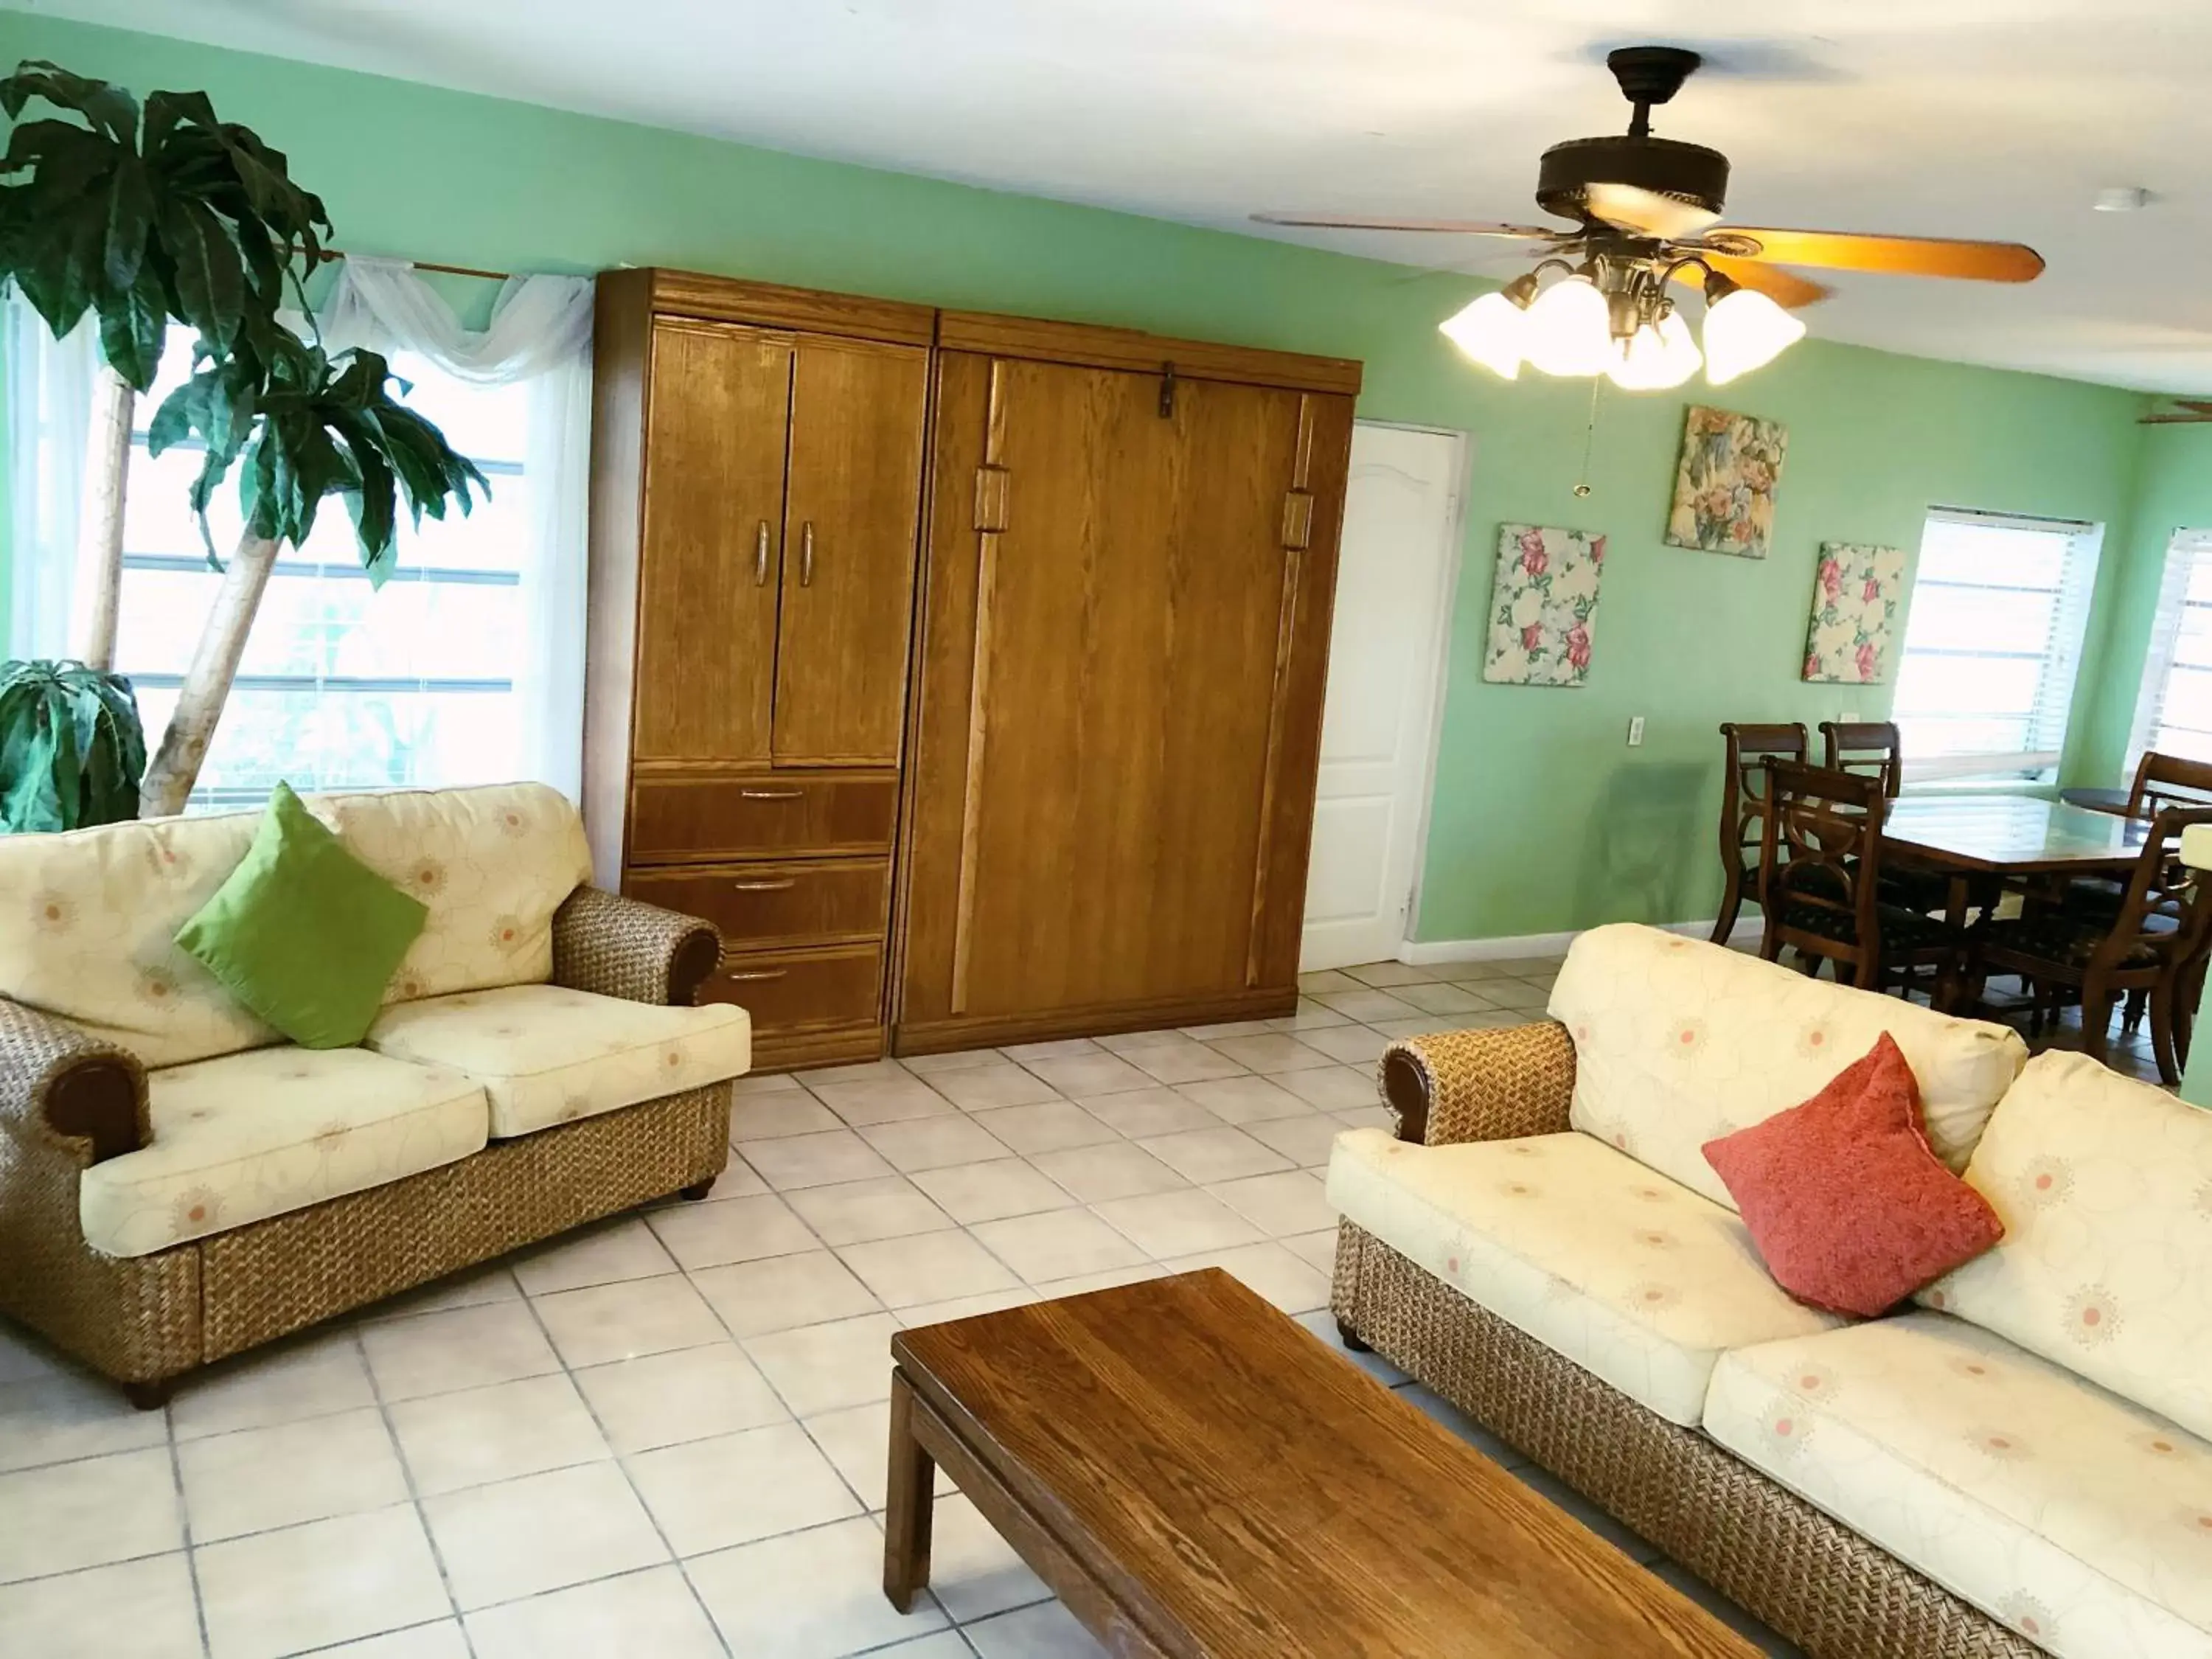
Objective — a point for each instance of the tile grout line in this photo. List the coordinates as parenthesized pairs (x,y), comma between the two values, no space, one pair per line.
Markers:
(184,1529)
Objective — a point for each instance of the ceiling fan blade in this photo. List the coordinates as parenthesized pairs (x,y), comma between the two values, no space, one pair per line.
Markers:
(2196,405)
(1630,207)
(1901,255)
(2174,420)
(1450,227)
(1786,288)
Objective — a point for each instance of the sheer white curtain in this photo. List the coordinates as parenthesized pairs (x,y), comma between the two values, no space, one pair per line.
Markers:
(49,419)
(539,337)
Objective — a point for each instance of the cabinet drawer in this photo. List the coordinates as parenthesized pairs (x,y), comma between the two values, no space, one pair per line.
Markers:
(758,905)
(836,985)
(763,816)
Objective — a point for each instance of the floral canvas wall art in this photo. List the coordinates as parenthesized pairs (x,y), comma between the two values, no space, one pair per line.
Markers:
(1856,594)
(1724,483)
(1543,606)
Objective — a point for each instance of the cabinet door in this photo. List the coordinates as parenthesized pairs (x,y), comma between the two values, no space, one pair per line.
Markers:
(855,489)
(721,403)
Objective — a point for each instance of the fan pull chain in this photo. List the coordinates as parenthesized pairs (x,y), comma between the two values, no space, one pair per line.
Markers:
(1589,438)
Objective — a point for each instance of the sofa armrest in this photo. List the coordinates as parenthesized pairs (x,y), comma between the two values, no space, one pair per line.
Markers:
(621,947)
(1494,1085)
(64,1092)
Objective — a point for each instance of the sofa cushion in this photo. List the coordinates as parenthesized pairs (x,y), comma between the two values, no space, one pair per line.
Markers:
(1678,1042)
(247,1136)
(1849,1209)
(2104,1188)
(87,926)
(88,920)
(2080,1521)
(548,1055)
(1637,1280)
(492,865)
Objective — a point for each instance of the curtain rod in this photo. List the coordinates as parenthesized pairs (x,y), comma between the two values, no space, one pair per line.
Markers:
(330,254)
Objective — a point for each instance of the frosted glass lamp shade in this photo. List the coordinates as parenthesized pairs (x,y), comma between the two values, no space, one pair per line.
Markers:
(1570,331)
(1744,331)
(1491,331)
(1658,356)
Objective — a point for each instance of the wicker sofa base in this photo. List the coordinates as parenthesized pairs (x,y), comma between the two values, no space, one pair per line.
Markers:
(1810,1577)
(145,1320)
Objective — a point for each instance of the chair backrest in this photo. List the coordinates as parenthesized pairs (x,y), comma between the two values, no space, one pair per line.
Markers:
(2165,909)
(2168,780)
(1820,850)
(1743,781)
(1870,747)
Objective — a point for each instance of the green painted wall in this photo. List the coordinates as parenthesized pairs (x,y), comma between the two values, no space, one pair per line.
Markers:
(1544,818)
(2173,491)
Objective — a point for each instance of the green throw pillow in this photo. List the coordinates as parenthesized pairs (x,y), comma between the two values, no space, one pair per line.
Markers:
(303,932)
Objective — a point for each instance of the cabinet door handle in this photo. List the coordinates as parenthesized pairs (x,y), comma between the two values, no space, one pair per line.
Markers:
(769,794)
(783,886)
(759,973)
(807,554)
(760,556)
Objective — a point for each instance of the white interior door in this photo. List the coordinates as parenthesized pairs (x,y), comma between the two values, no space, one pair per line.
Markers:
(1393,585)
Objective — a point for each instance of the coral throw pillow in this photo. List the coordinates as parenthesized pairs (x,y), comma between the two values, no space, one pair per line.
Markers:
(1849,1208)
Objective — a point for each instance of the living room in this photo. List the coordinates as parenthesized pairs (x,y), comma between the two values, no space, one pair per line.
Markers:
(1020,995)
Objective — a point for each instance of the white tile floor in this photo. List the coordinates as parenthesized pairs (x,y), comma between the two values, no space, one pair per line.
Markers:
(664,1436)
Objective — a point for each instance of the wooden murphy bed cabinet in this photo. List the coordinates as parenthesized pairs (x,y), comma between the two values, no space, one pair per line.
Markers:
(1092,813)
(756,483)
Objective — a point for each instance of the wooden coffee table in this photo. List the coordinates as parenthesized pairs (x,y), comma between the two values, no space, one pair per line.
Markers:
(1194,1474)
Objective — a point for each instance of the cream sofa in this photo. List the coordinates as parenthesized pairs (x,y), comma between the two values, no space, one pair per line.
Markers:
(2018,1464)
(178,1184)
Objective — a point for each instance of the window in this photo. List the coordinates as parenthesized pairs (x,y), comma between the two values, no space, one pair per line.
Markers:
(2173,713)
(343,686)
(1994,640)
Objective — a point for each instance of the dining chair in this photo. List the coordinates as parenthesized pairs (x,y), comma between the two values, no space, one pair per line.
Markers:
(1743,807)
(2155,945)
(1870,747)
(1820,853)
(2163,780)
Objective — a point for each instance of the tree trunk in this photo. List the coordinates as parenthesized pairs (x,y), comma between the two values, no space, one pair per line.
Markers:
(99,537)
(170,777)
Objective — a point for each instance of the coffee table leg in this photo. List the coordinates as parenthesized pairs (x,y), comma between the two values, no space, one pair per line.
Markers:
(907,1503)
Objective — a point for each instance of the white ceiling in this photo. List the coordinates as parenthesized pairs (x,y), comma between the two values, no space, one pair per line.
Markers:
(1964,118)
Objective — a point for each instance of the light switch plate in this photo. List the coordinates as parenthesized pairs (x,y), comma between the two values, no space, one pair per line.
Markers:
(1635,732)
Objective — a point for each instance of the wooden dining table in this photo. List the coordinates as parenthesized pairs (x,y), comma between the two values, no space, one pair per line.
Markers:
(2009,836)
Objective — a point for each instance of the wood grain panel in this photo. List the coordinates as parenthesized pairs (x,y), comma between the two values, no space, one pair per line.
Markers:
(1095,347)
(770,305)
(849,531)
(1197,1475)
(713,515)
(757,906)
(678,817)
(1099,682)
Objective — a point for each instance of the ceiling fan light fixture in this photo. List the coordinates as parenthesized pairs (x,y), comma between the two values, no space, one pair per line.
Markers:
(1656,357)
(1493,332)
(1744,330)
(1570,329)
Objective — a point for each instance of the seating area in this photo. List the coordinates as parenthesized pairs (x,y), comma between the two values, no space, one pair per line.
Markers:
(887,832)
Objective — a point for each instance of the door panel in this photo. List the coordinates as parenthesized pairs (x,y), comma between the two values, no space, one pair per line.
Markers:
(1123,630)
(706,595)
(847,594)
(1377,739)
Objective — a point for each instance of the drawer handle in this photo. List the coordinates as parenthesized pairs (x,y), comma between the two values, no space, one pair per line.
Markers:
(769,794)
(760,973)
(760,556)
(783,886)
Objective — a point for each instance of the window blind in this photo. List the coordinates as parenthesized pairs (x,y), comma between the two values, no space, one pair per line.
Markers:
(2173,710)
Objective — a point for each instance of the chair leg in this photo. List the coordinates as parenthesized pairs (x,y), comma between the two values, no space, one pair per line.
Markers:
(2162,1044)
(1731,903)
(2183,1017)
(2096,1003)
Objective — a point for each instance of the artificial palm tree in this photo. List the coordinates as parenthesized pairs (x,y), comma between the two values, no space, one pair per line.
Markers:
(143,217)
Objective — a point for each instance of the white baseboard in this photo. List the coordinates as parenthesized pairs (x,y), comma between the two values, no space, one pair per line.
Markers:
(1424,953)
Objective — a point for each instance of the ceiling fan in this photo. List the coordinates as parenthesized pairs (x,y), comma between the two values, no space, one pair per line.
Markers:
(1648,214)
(2197,412)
